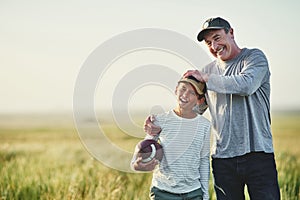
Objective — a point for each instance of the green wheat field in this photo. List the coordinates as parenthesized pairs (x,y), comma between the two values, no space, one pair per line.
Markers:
(42,157)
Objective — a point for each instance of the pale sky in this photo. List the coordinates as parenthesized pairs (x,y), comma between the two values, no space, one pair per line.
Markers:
(43,45)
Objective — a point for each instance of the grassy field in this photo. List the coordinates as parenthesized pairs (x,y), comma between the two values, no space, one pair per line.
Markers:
(42,157)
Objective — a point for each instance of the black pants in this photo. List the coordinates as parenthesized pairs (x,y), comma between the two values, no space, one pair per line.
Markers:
(257,170)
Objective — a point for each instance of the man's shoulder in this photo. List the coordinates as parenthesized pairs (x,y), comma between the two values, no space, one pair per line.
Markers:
(209,67)
(253,51)
(254,55)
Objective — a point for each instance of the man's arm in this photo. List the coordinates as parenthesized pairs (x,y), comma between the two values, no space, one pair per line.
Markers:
(149,126)
(245,83)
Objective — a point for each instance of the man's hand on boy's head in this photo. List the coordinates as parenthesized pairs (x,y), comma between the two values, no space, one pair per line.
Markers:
(150,128)
(200,76)
(140,166)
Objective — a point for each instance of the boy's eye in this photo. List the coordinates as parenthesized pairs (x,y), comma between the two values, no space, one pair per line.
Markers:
(183,89)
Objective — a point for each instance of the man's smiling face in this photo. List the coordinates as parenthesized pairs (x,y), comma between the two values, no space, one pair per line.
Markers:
(220,43)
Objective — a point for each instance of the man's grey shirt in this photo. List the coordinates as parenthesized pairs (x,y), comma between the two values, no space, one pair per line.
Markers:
(239,103)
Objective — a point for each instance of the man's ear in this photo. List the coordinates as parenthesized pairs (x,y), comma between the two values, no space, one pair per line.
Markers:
(231,33)
(176,90)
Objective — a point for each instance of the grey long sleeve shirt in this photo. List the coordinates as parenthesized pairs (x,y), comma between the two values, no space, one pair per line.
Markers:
(239,102)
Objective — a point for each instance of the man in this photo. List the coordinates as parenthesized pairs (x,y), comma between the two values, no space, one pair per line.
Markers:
(238,84)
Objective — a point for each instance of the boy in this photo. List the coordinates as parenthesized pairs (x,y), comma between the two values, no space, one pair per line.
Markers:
(183,172)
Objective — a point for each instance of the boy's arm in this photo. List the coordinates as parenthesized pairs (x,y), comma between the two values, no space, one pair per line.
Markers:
(136,162)
(205,165)
(138,165)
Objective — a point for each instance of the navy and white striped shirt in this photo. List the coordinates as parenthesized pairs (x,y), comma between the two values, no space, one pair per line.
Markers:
(186,163)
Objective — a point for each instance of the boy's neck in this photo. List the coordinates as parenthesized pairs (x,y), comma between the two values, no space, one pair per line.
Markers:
(189,114)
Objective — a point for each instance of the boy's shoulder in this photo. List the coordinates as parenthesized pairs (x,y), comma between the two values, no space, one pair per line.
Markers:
(201,117)
(203,120)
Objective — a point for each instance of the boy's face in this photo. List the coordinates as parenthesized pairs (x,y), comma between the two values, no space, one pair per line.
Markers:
(186,95)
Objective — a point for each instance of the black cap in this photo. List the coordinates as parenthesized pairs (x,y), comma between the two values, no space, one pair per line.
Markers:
(213,24)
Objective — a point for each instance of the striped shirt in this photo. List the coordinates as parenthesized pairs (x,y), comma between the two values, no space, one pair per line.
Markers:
(186,162)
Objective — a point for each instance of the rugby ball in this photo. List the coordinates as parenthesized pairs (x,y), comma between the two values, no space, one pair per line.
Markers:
(150,149)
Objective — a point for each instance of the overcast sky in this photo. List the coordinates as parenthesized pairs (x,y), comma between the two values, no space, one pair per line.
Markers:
(43,45)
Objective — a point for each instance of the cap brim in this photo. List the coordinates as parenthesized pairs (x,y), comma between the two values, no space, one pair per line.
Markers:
(201,34)
(194,83)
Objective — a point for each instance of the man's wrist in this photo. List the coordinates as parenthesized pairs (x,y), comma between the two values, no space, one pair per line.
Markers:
(205,77)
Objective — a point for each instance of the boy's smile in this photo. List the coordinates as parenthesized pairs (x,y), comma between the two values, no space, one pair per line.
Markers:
(186,96)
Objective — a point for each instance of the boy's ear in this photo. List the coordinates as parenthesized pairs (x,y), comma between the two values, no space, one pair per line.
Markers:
(176,90)
(201,101)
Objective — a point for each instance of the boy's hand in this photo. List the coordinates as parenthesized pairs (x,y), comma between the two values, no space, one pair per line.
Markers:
(140,166)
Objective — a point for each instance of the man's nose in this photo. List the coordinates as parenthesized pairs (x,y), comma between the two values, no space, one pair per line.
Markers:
(214,45)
